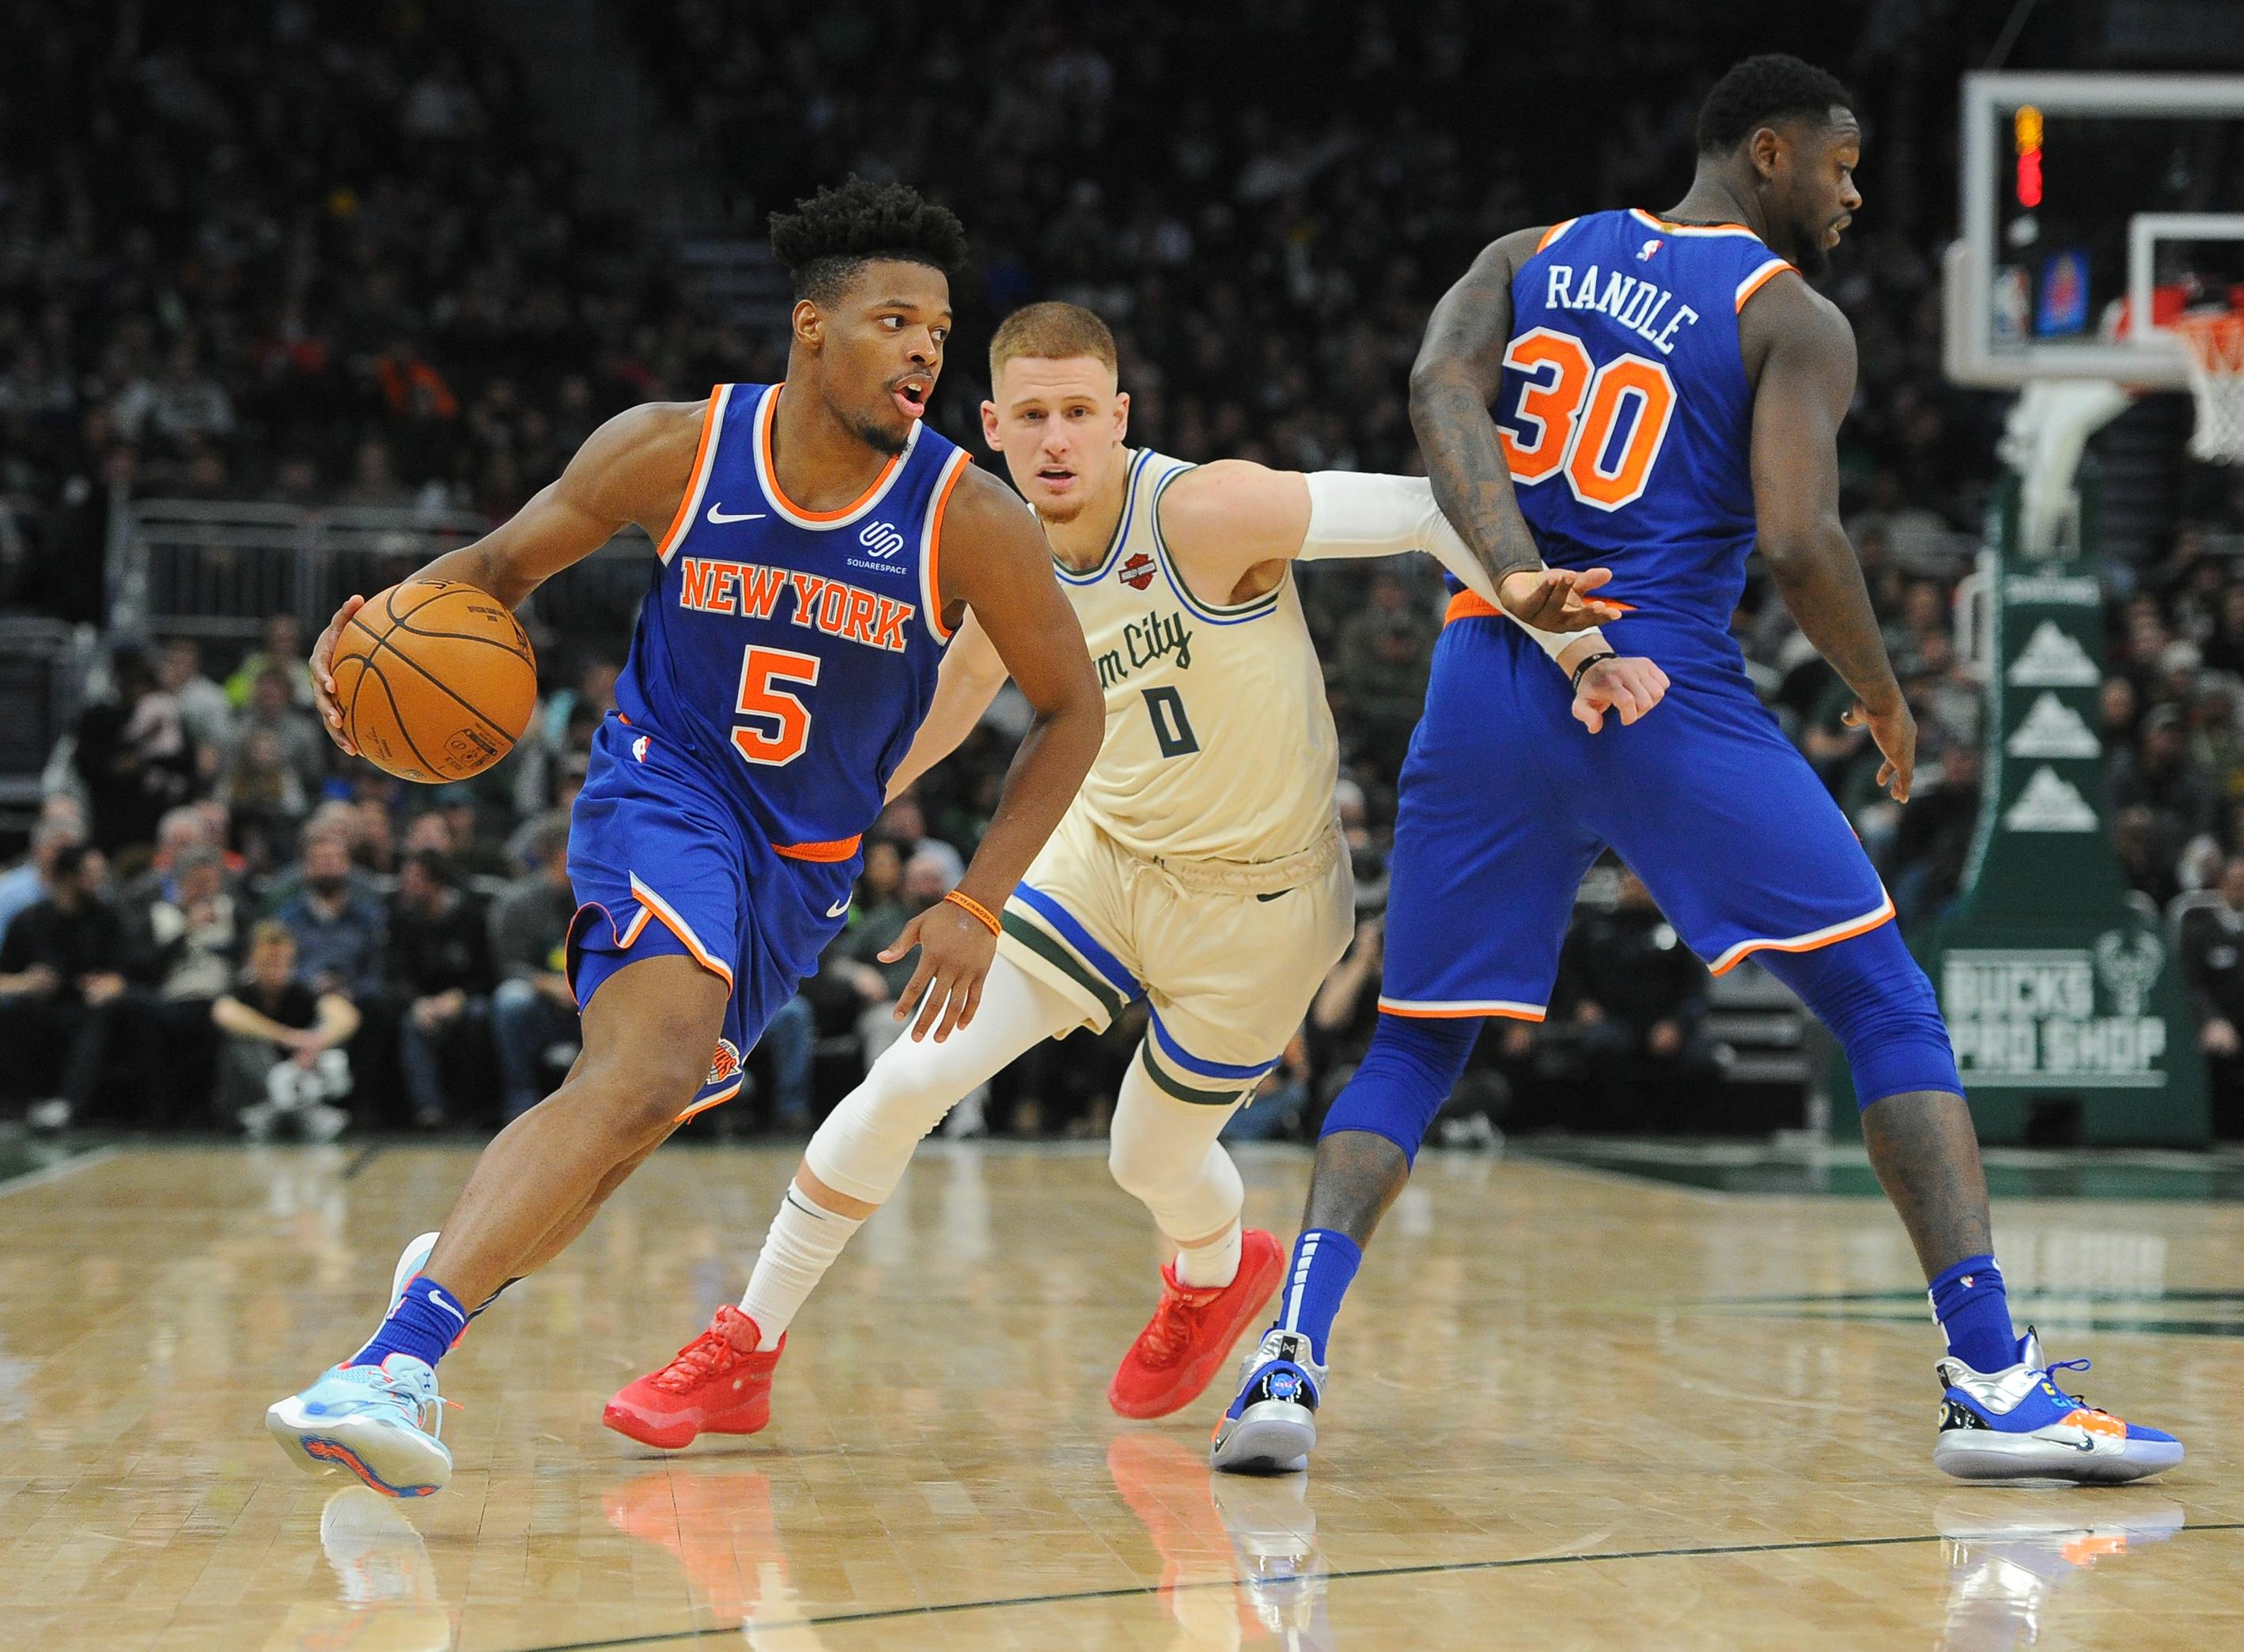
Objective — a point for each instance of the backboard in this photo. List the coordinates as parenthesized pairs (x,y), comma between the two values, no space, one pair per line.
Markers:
(2095,206)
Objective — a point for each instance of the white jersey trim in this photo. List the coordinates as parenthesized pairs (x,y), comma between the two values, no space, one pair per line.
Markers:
(931,534)
(1458,1008)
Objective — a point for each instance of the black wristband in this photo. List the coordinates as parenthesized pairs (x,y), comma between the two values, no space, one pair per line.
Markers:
(1582,669)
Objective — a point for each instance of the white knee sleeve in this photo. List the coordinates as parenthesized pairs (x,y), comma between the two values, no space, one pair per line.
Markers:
(865,1143)
(1164,1153)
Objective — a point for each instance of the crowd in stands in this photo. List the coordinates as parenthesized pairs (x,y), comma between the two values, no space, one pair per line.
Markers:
(323,258)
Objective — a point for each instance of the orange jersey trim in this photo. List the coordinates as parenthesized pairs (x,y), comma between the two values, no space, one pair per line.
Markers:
(1554,232)
(1819,939)
(771,469)
(1462,1012)
(650,902)
(1760,279)
(685,501)
(718,1100)
(930,565)
(828,853)
(1471,605)
(1693,229)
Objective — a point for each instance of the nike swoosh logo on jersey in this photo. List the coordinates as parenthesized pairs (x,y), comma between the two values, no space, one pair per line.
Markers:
(718,517)
(839,908)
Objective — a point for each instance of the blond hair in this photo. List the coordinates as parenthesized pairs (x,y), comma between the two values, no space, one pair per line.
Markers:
(1054,331)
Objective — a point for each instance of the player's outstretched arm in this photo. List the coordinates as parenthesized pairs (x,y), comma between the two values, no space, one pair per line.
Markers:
(1799,352)
(970,679)
(994,559)
(634,468)
(1233,525)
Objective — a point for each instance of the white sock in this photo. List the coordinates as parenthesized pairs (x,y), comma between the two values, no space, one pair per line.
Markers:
(801,1245)
(1215,1262)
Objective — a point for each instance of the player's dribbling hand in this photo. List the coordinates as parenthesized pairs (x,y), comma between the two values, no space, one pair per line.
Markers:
(955,955)
(323,681)
(1895,730)
(1627,686)
(1557,599)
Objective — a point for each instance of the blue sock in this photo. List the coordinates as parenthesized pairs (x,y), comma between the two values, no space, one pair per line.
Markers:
(1973,1311)
(423,1324)
(1324,1262)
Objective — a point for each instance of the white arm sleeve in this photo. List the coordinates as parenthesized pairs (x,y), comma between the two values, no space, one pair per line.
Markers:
(1352,514)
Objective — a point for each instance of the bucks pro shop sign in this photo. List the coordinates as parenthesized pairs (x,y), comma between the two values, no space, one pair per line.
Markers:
(2058,1017)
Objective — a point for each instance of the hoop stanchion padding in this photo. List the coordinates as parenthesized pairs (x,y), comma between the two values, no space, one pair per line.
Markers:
(2215,344)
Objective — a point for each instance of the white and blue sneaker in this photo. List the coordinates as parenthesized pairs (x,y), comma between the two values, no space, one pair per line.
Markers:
(2017,1423)
(380,1422)
(1272,1426)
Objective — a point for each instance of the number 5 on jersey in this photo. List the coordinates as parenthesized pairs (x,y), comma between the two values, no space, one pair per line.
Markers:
(1568,413)
(761,670)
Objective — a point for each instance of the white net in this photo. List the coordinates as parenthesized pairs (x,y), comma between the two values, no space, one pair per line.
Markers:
(2215,344)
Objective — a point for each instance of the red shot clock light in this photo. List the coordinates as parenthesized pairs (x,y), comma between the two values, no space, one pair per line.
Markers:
(2025,129)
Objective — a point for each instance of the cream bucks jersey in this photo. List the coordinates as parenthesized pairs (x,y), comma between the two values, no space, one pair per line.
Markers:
(1218,744)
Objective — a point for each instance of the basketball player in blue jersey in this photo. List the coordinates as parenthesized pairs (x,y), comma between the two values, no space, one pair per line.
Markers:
(817,548)
(1667,393)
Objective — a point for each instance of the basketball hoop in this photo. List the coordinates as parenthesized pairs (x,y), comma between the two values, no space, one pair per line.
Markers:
(2214,342)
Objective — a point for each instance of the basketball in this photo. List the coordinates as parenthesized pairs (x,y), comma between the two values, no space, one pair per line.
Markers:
(435,680)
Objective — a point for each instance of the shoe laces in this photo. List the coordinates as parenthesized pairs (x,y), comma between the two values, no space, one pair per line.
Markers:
(2049,1370)
(1170,1332)
(698,1361)
(424,1409)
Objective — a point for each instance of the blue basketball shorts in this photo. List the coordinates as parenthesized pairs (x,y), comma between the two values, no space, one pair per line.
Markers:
(662,861)
(1506,800)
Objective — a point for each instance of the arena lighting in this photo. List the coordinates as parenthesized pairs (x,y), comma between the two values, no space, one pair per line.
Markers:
(2025,128)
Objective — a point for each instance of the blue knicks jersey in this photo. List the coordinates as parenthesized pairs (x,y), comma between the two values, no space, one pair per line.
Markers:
(794,653)
(1624,413)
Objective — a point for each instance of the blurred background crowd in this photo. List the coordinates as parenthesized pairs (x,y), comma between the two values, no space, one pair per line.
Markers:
(360,260)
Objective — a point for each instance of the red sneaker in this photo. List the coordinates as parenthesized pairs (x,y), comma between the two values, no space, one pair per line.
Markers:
(718,1385)
(1191,1333)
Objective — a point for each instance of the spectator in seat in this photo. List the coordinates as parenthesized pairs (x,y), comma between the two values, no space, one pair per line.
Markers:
(2212,946)
(1636,995)
(204,711)
(61,984)
(2145,861)
(284,649)
(132,755)
(339,927)
(271,708)
(1384,653)
(2157,775)
(926,880)
(274,1017)
(61,826)
(532,1008)
(440,973)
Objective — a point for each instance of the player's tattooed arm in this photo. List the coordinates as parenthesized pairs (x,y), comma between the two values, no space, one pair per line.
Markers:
(970,679)
(1800,353)
(992,558)
(1459,368)
(634,468)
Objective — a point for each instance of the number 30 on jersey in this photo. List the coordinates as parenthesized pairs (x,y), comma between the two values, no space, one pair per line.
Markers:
(1602,428)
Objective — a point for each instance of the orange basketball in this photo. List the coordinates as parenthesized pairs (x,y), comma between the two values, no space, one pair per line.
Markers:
(434,679)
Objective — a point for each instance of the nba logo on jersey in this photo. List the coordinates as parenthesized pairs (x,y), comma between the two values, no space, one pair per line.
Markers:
(638,748)
(1644,254)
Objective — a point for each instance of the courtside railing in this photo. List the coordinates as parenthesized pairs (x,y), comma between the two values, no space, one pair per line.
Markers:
(219,570)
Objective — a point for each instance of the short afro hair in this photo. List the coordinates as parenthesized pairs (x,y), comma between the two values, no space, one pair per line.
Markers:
(828,238)
(1761,90)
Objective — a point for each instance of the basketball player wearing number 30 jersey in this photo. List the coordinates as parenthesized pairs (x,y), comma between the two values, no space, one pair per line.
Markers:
(1666,392)
(1201,868)
(816,548)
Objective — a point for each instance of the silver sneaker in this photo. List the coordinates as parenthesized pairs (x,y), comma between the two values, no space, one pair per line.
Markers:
(1272,1426)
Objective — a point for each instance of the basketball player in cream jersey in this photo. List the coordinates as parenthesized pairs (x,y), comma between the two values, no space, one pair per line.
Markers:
(1201,865)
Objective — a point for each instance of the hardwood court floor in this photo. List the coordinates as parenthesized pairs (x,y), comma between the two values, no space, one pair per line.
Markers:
(1569,1410)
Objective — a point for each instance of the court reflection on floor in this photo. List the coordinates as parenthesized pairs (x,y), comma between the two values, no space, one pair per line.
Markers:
(2005,1561)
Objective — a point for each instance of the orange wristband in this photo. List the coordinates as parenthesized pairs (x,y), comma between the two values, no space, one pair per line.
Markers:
(981,914)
